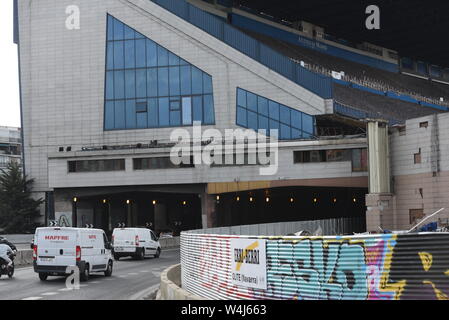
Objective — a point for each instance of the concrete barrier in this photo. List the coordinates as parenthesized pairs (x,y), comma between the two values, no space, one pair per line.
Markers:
(170,288)
(168,243)
(24,258)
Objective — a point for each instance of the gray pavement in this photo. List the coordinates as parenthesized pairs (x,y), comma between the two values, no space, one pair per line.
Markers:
(130,280)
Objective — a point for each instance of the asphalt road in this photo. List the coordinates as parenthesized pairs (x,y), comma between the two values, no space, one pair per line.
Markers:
(130,280)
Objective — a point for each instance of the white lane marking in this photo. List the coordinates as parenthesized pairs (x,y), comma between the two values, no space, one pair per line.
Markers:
(33,298)
(142,294)
(94,282)
(49,293)
(145,271)
(66,289)
(122,276)
(156,274)
(132,274)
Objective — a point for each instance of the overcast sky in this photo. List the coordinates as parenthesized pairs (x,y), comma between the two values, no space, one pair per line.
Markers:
(9,78)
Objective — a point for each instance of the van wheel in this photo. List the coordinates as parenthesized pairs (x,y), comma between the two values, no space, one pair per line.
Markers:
(116,257)
(43,276)
(85,275)
(108,271)
(142,254)
(158,253)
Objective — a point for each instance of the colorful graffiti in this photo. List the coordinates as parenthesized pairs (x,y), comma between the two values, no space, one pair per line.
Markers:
(378,267)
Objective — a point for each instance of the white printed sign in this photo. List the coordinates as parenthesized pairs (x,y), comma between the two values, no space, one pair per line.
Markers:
(249,263)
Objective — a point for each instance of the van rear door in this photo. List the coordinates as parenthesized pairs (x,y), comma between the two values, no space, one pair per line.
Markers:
(56,246)
(125,240)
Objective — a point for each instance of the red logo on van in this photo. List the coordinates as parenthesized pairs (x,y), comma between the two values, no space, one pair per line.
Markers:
(92,237)
(56,238)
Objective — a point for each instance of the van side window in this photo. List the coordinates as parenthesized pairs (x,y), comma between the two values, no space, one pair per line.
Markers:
(153,237)
(105,239)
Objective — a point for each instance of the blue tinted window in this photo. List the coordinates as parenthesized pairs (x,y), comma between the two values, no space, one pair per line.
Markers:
(130,83)
(186,80)
(151,53)
(110,85)
(241,117)
(186,111)
(153,115)
(118,30)
(162,56)
(197,108)
(109,115)
(164,112)
(119,84)
(130,114)
(162,81)
(286,122)
(141,83)
(241,97)
(119,58)
(251,99)
(130,54)
(209,116)
(197,81)
(207,83)
(141,59)
(174,81)
(147,86)
(120,114)
(152,82)
(262,106)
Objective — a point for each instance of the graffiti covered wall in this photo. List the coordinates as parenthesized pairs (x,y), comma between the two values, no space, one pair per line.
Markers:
(375,267)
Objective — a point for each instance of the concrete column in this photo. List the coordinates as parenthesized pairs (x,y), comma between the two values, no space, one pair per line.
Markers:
(379,212)
(208,213)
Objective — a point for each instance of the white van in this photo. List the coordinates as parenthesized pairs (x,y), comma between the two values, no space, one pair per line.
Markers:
(56,248)
(135,242)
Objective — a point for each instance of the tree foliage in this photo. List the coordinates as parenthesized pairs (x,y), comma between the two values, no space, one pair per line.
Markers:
(18,210)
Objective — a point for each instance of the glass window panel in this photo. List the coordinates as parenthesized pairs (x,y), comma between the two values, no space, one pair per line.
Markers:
(164,112)
(174,81)
(139,35)
(174,105)
(207,83)
(307,124)
(262,106)
(141,83)
(175,118)
(129,33)
(131,114)
(263,123)
(186,110)
(197,81)
(197,108)
(110,56)
(152,82)
(142,120)
(173,59)
(284,114)
(252,101)
(296,119)
(141,59)
(241,97)
(119,58)
(274,125)
(110,28)
(119,118)
(119,84)
(130,54)
(110,85)
(153,116)
(151,53)
(162,82)
(109,115)
(274,110)
(182,62)
(296,134)
(118,30)
(141,106)
(162,56)
(209,115)
(285,132)
(241,117)
(186,80)
(253,122)
(130,83)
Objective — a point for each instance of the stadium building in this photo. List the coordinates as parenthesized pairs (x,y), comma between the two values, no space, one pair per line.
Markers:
(102,95)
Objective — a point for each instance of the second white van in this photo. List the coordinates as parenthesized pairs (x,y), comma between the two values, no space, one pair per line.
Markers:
(55,249)
(135,242)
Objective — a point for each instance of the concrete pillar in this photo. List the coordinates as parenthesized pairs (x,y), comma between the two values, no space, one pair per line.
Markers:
(380,209)
(208,213)
(63,209)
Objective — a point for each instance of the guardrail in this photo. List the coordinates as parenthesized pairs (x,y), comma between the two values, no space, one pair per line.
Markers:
(362,267)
